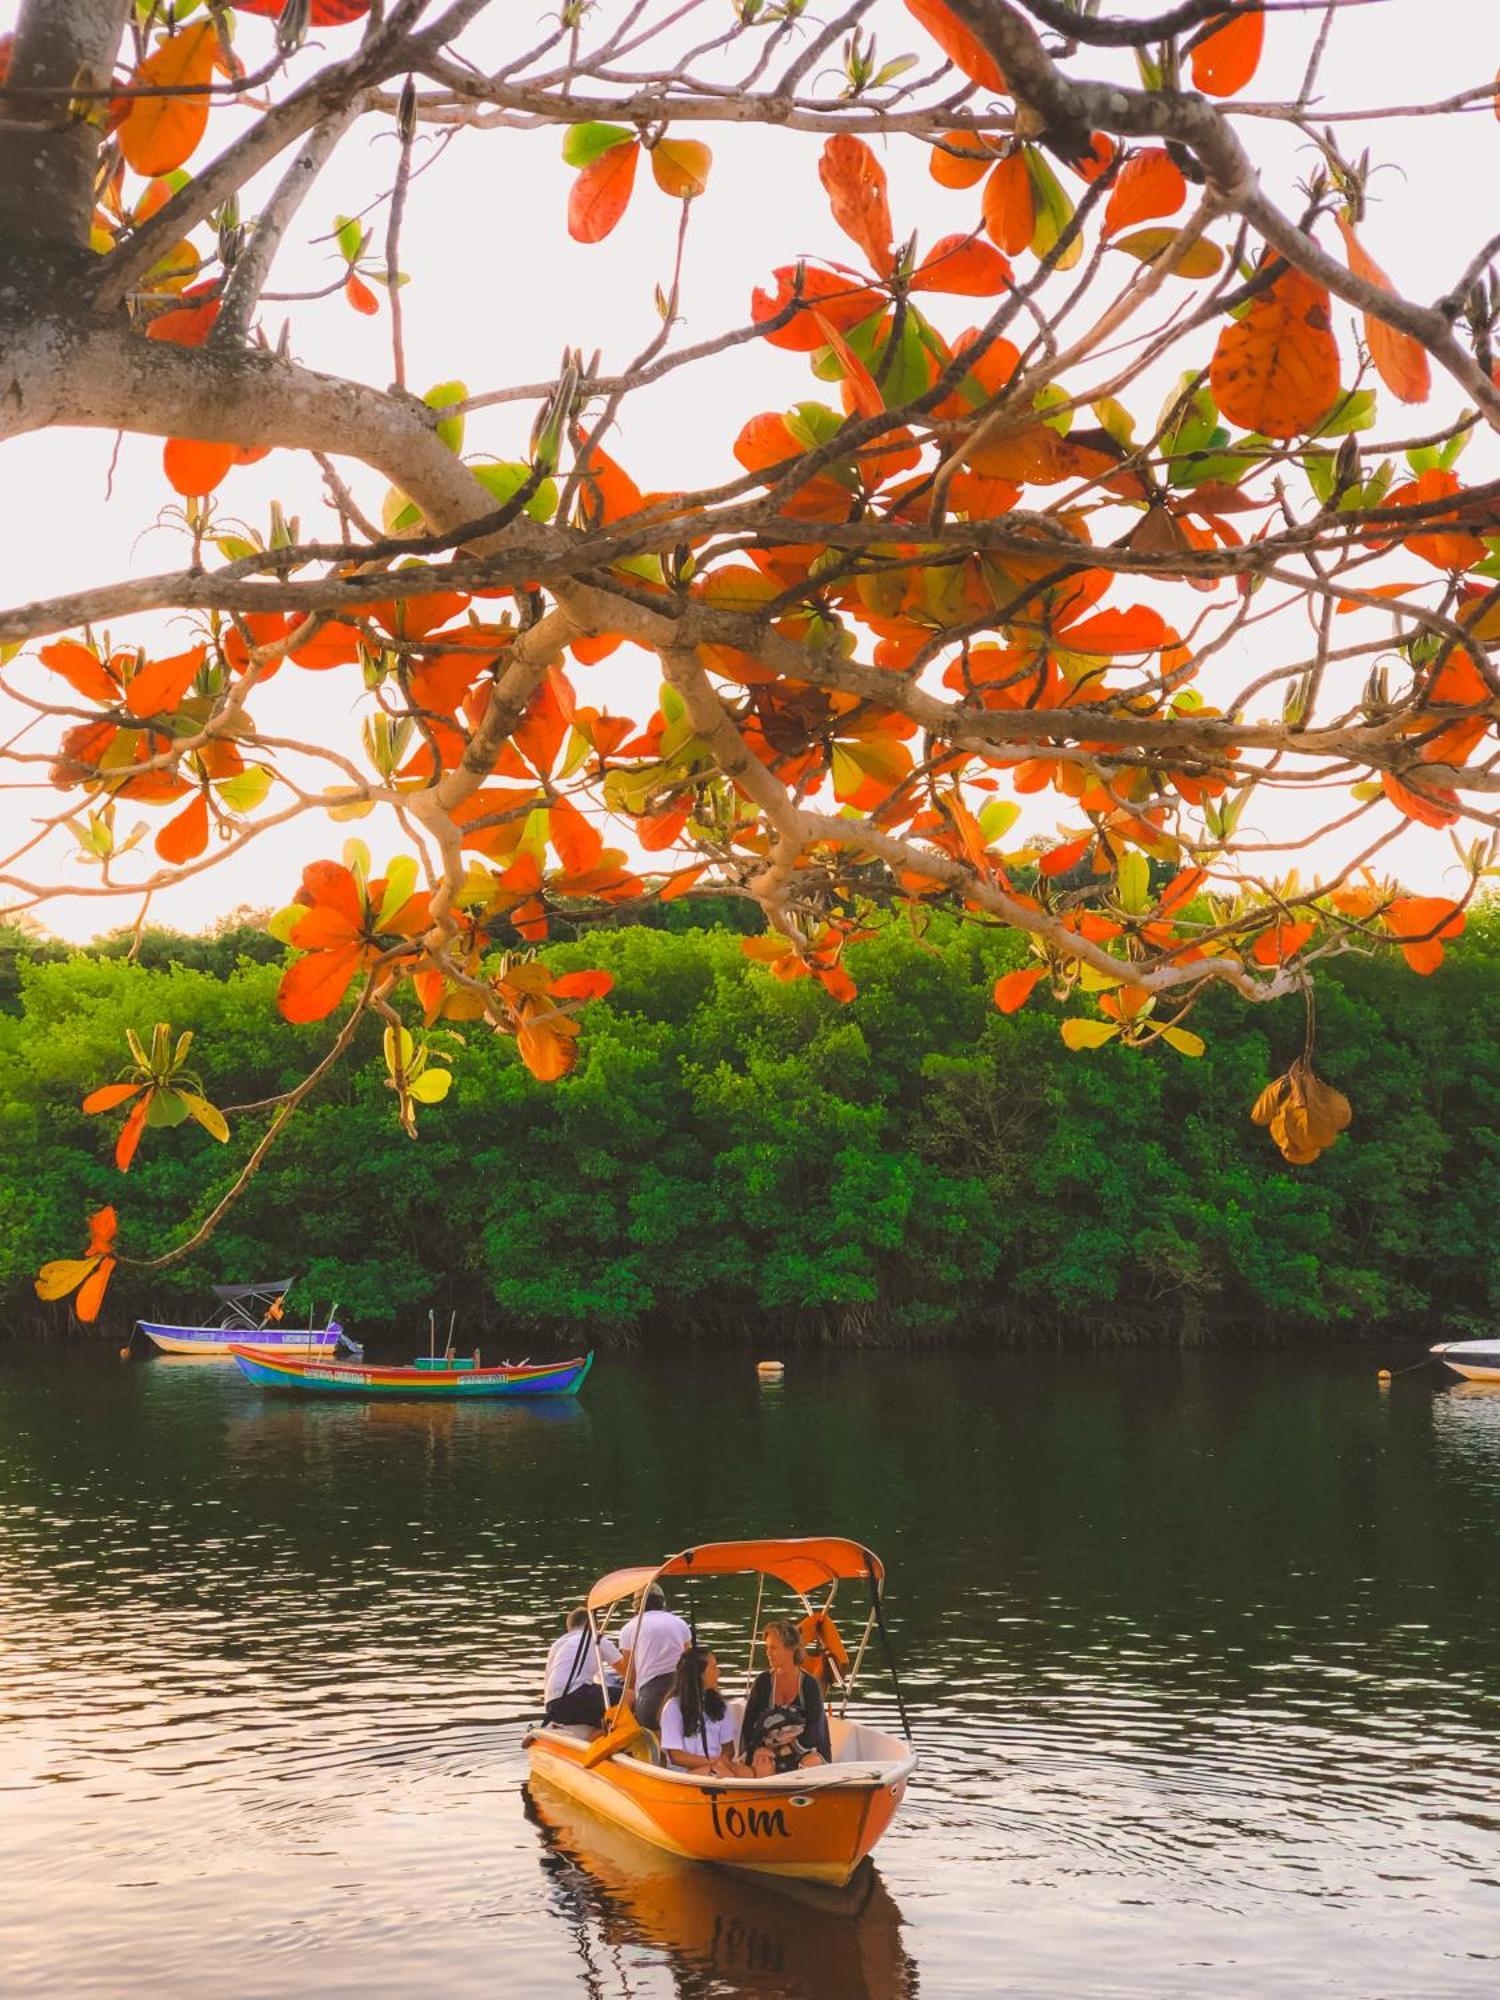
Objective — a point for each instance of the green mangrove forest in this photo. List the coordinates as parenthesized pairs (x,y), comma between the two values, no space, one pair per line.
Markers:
(734,1155)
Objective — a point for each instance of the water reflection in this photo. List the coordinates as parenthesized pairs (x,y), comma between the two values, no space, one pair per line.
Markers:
(1200,1652)
(718,1932)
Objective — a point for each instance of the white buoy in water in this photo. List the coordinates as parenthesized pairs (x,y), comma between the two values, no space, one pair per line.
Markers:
(770,1371)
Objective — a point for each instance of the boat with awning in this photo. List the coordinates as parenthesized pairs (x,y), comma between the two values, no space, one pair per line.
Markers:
(816,1823)
(251,1317)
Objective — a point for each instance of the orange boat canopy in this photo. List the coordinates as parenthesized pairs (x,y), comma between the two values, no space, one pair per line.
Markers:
(804,1564)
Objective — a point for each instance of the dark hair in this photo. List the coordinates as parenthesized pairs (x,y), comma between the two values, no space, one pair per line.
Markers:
(656,1598)
(693,1698)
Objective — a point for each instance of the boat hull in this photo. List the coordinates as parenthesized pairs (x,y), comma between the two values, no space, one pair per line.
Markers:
(811,1826)
(217,1343)
(1475,1360)
(427,1384)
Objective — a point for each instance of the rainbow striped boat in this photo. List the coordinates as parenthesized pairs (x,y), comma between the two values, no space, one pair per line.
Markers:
(430,1380)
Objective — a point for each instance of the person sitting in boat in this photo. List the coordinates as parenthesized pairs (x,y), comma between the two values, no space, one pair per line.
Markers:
(697,1731)
(651,1644)
(785,1726)
(574,1690)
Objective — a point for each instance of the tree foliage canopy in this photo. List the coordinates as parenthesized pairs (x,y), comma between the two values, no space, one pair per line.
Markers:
(732,1152)
(1131,500)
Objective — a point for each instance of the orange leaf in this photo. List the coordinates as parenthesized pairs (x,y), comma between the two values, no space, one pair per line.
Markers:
(1015,989)
(359,295)
(194,467)
(583,985)
(185,326)
(103,1224)
(959,265)
(680,167)
(1277,369)
(332,645)
(160,685)
(329,885)
(958,43)
(1149,184)
(157,134)
(82,671)
(578,843)
(1400,361)
(966,165)
(601,193)
(679,884)
(1227,54)
(110,1095)
(830,292)
(186,836)
(854,182)
(1423,922)
(91,1291)
(313,986)
(546,1054)
(1281,942)
(130,1132)
(1059,860)
(1009,204)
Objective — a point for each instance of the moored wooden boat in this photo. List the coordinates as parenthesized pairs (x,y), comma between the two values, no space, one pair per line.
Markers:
(814,1824)
(1475,1360)
(250,1317)
(430,1380)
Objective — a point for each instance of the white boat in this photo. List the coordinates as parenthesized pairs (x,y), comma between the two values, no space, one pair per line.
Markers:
(249,1319)
(1475,1360)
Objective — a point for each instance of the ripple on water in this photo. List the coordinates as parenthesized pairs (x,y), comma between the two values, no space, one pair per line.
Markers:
(266,1671)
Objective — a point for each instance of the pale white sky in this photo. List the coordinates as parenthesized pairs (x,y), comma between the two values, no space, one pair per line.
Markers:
(498,290)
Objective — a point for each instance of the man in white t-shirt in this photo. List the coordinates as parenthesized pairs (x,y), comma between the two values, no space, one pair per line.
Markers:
(651,1644)
(574,1688)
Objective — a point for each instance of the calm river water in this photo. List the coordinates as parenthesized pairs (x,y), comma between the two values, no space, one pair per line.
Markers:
(1202,1652)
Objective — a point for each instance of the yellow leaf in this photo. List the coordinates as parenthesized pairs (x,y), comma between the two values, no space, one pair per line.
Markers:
(1195,260)
(1079,1034)
(1184,1041)
(64,1275)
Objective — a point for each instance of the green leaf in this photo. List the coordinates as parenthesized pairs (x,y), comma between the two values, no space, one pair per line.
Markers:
(431,1087)
(357,860)
(350,237)
(234,548)
(166,1108)
(400,881)
(1134,881)
(582,144)
(244,792)
(209,1116)
(1080,1034)
(1054,212)
(504,481)
(1354,411)
(282,924)
(904,375)
(997,818)
(449,429)
(813,424)
(399,1049)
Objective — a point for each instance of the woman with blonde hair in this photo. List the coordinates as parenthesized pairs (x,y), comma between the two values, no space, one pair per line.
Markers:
(785,1726)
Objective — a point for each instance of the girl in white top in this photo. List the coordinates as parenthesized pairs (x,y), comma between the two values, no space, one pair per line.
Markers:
(696,1732)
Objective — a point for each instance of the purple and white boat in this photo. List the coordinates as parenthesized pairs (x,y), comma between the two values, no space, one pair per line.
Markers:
(250,1318)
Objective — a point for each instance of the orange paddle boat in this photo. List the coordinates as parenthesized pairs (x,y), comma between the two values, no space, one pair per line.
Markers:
(814,1824)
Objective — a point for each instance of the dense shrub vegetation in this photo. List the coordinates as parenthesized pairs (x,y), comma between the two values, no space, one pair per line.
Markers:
(732,1151)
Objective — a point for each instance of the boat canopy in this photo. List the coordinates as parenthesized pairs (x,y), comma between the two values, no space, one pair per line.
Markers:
(803,1563)
(231,1294)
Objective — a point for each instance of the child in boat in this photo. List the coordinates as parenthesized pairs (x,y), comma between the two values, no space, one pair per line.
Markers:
(574,1689)
(697,1733)
(785,1726)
